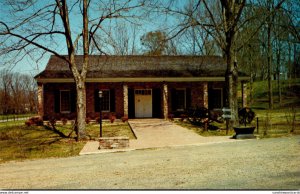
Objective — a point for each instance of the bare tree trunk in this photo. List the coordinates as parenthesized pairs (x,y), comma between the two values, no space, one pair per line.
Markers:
(81,109)
(278,76)
(79,77)
(231,79)
(80,83)
(231,14)
(269,57)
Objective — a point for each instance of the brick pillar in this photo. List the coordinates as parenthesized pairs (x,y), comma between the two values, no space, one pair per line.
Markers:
(244,94)
(125,95)
(205,94)
(40,99)
(165,101)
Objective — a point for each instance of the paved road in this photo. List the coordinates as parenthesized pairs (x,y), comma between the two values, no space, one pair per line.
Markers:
(250,164)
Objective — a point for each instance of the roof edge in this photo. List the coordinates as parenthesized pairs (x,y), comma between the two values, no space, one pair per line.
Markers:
(139,79)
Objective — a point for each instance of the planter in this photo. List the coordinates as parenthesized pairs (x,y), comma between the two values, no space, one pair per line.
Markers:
(244,132)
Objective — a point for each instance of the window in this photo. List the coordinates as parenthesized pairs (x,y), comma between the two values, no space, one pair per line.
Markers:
(179,99)
(65,101)
(143,92)
(215,98)
(105,100)
(108,100)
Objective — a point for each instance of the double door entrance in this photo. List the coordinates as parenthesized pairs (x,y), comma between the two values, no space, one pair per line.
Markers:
(143,103)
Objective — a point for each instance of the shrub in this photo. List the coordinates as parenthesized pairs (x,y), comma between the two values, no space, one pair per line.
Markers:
(87,120)
(124,119)
(112,118)
(38,121)
(28,123)
(171,117)
(64,121)
(183,116)
(52,121)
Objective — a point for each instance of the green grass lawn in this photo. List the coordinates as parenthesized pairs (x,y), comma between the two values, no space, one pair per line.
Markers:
(276,129)
(16,116)
(19,142)
(220,129)
(290,90)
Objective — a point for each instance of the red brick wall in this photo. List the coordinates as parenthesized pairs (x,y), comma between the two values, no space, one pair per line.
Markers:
(90,89)
(49,97)
(196,93)
(49,89)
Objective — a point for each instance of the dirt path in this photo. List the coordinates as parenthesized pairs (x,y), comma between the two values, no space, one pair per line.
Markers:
(250,164)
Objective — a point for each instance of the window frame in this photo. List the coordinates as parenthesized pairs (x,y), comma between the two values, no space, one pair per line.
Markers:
(184,101)
(222,102)
(105,90)
(61,104)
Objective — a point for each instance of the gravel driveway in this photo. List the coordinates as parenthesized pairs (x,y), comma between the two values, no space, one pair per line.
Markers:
(250,164)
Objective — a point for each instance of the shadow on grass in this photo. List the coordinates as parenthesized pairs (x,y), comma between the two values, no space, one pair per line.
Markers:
(22,142)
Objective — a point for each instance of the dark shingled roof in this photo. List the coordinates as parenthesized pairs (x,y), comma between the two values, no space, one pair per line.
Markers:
(140,66)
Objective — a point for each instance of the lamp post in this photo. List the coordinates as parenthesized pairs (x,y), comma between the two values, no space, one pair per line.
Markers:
(100,97)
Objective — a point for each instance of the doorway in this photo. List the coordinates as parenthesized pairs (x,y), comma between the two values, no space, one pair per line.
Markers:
(143,103)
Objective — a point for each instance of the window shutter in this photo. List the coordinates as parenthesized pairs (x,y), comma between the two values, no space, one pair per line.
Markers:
(96,101)
(131,106)
(188,99)
(73,100)
(57,101)
(156,102)
(173,99)
(112,101)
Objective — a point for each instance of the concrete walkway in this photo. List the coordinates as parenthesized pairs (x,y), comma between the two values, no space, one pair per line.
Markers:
(156,133)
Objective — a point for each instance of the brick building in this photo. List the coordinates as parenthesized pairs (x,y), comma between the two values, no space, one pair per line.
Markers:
(136,86)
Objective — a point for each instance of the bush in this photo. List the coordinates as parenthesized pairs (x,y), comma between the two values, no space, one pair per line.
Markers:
(183,116)
(64,121)
(28,123)
(124,119)
(112,118)
(171,117)
(38,121)
(87,120)
(52,121)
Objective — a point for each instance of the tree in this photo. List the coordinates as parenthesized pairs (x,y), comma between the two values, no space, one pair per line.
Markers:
(221,23)
(17,93)
(118,39)
(32,26)
(155,43)
(233,25)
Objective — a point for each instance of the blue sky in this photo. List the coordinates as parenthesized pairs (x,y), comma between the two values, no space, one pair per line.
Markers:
(30,65)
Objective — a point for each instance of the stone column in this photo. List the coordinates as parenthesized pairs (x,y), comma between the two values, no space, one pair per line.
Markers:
(205,94)
(40,100)
(125,95)
(165,100)
(244,94)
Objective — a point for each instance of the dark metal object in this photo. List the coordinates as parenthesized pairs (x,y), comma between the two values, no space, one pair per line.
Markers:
(100,104)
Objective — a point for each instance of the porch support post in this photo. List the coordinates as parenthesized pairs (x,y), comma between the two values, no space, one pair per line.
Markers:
(165,100)
(205,95)
(244,94)
(40,100)
(125,94)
